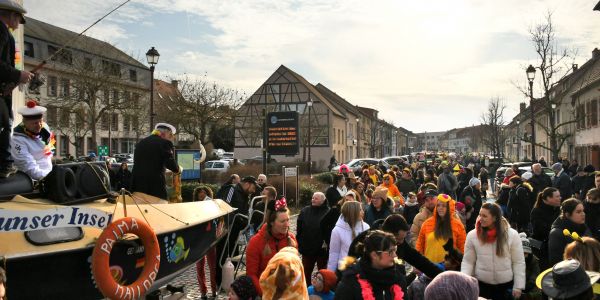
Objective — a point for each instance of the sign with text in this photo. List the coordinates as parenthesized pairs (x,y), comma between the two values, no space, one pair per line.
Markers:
(291,172)
(72,216)
(282,133)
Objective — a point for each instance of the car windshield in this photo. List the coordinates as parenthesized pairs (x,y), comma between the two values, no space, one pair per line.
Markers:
(218,165)
(209,164)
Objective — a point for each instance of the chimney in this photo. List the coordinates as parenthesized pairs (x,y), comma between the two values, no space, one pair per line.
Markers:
(522,106)
(575,67)
(595,53)
(175,83)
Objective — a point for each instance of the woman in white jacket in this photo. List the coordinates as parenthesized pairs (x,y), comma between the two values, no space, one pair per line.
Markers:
(494,255)
(349,225)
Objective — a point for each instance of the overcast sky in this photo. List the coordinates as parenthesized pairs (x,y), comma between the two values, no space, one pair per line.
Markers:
(425,65)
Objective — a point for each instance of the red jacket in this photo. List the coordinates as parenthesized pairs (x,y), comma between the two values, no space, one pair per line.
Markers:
(257,259)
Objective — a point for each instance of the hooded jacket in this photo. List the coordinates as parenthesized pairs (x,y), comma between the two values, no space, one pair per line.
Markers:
(480,260)
(257,259)
(393,192)
(557,241)
(283,277)
(418,221)
(458,235)
(519,204)
(308,230)
(341,238)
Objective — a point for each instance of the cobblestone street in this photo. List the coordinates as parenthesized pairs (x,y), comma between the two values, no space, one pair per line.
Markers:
(189,279)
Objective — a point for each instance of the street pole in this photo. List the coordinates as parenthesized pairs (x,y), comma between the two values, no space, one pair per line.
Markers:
(310,104)
(357,138)
(518,142)
(151,97)
(406,136)
(532,120)
(264,141)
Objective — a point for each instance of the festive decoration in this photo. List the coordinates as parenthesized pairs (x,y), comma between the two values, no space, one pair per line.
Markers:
(31,103)
(575,236)
(367,290)
(280,204)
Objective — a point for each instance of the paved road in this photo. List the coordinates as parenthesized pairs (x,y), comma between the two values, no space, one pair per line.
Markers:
(190,281)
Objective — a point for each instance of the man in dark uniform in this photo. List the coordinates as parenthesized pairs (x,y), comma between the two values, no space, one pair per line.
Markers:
(11,15)
(152,155)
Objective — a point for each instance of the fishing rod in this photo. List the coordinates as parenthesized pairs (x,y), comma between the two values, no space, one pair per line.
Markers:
(37,81)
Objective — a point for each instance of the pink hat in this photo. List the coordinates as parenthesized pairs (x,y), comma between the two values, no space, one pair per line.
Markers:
(460,206)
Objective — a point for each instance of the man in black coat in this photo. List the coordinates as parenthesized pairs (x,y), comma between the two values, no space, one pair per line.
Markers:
(540,180)
(562,181)
(308,234)
(152,155)
(11,15)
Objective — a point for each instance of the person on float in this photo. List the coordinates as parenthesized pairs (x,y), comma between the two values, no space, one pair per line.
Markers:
(494,255)
(273,236)
(152,155)
(439,228)
(33,143)
(376,275)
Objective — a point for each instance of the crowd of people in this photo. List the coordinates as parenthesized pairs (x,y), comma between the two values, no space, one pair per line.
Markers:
(421,231)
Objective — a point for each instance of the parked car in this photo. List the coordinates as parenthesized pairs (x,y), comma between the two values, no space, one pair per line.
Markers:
(356,164)
(217,166)
(228,155)
(523,167)
(394,160)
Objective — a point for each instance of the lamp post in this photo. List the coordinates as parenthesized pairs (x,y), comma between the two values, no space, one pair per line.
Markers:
(310,104)
(406,136)
(152,58)
(530,77)
(357,137)
(518,141)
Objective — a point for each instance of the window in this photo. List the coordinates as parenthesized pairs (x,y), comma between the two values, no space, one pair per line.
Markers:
(64,146)
(111,68)
(65,118)
(114,122)
(90,145)
(594,112)
(64,56)
(64,88)
(135,100)
(106,98)
(104,121)
(133,75)
(114,145)
(588,114)
(29,49)
(52,86)
(126,121)
(135,123)
(79,146)
(104,141)
(580,116)
(87,64)
(51,116)
(115,98)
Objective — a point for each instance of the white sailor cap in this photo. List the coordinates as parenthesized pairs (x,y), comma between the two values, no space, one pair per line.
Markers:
(13,5)
(31,110)
(165,126)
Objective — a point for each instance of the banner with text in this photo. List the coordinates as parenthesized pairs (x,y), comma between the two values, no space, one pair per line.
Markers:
(26,220)
(282,133)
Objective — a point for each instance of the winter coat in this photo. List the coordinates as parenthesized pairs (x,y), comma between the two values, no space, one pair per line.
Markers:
(410,211)
(256,256)
(32,155)
(333,196)
(428,227)
(381,281)
(372,214)
(405,252)
(577,185)
(152,155)
(123,179)
(471,197)
(406,186)
(480,260)
(328,223)
(557,241)
(447,184)
(562,182)
(308,231)
(542,218)
(519,208)
(503,195)
(341,238)
(393,192)
(540,182)
(588,184)
(418,221)
(592,218)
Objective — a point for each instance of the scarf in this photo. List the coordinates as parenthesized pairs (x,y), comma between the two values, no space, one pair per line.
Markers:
(342,191)
(45,138)
(385,279)
(491,233)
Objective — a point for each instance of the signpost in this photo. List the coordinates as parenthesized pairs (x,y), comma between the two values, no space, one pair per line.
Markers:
(291,172)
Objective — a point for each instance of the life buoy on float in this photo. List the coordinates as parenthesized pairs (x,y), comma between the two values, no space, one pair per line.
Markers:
(101,255)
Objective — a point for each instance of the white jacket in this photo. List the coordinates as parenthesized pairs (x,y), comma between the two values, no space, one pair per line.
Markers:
(29,156)
(480,260)
(341,238)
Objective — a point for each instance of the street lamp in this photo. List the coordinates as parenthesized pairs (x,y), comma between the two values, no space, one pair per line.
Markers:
(309,104)
(530,77)
(152,58)
(357,137)
(406,136)
(518,141)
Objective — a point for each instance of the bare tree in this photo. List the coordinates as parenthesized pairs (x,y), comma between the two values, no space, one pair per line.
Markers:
(492,121)
(554,64)
(202,105)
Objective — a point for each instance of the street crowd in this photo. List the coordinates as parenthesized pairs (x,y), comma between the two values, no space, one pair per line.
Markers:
(424,230)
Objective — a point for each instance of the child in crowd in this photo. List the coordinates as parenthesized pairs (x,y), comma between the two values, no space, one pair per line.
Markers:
(242,289)
(532,270)
(323,285)
(411,208)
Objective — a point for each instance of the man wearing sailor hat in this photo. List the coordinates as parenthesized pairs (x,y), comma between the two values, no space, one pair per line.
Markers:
(152,155)
(11,15)
(32,142)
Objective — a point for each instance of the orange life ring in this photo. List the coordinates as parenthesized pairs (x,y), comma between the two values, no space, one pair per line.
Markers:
(100,259)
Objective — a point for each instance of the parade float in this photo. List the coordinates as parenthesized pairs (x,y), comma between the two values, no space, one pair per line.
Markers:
(79,241)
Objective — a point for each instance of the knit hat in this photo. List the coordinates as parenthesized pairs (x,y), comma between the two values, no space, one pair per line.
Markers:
(452,285)
(380,192)
(329,280)
(557,167)
(244,288)
(527,175)
(474,181)
(525,242)
(460,206)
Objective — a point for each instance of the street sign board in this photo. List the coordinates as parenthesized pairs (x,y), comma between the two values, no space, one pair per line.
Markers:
(282,133)
(102,150)
(291,172)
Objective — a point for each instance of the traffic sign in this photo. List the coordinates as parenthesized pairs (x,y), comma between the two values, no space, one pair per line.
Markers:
(102,150)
